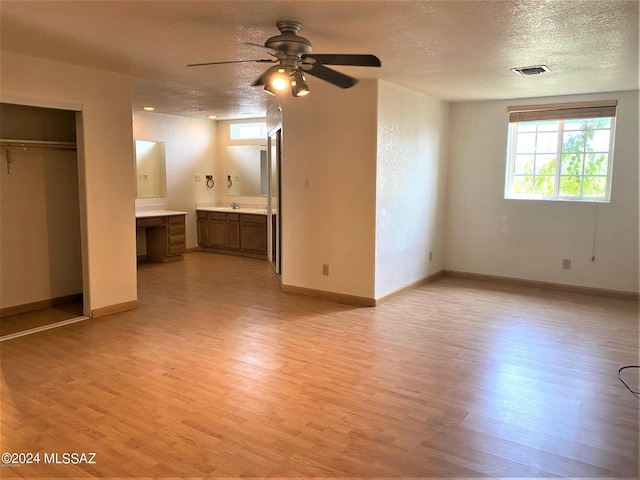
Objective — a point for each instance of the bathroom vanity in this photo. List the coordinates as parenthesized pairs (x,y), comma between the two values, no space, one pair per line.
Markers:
(241,231)
(165,234)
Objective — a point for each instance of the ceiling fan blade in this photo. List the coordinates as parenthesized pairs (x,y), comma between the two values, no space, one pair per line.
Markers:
(270,51)
(332,76)
(344,59)
(230,61)
(264,78)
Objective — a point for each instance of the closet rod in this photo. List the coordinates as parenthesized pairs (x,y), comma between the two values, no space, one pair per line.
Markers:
(11,144)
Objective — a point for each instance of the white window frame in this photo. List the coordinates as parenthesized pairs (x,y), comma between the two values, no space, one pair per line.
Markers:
(236,130)
(560,113)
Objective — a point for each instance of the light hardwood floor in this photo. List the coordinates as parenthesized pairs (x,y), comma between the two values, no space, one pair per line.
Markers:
(39,318)
(220,374)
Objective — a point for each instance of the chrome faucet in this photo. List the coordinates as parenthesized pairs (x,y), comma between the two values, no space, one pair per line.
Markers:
(234,205)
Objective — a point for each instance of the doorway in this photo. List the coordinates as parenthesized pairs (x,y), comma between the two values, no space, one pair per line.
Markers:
(40,244)
(274,219)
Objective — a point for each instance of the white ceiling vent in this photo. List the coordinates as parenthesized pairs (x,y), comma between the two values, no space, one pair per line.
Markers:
(534,70)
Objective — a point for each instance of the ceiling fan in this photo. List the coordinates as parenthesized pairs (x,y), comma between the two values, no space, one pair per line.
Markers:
(293,58)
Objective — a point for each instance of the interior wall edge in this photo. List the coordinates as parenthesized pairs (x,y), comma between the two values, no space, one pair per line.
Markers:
(423,281)
(335,296)
(111,309)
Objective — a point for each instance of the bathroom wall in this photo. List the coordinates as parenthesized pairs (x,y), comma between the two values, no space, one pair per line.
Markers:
(224,141)
(190,151)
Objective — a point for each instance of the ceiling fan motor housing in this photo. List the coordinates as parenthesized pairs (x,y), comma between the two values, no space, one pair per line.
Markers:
(289,43)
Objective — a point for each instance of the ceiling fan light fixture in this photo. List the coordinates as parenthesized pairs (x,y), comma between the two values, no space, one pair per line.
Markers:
(299,87)
(279,80)
(270,90)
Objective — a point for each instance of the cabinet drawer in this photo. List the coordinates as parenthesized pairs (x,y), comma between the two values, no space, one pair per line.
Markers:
(176,249)
(176,239)
(201,214)
(176,229)
(247,218)
(150,222)
(233,217)
(217,216)
(176,219)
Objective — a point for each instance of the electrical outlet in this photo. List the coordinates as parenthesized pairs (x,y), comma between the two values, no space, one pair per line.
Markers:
(197,177)
(430,256)
(566,263)
(325,270)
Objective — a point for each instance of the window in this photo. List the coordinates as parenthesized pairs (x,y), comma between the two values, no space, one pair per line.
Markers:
(248,131)
(561,152)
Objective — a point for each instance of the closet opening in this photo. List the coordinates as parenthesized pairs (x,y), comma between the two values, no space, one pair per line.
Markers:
(41,271)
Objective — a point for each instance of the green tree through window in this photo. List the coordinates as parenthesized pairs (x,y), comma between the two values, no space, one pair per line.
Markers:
(560,159)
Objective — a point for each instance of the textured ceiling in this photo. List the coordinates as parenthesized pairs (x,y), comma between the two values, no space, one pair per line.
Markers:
(454,50)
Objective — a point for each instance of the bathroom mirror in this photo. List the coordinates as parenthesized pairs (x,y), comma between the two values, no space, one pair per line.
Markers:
(247,172)
(151,175)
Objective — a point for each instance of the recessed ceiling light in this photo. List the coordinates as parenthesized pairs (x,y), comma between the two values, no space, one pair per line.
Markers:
(148,109)
(211,117)
(533,70)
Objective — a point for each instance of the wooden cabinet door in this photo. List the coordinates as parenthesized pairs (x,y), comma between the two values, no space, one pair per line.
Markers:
(204,239)
(233,235)
(233,231)
(218,233)
(254,238)
(254,234)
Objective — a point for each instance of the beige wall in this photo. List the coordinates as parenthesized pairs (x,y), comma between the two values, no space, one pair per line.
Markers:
(40,248)
(221,168)
(413,131)
(364,174)
(105,164)
(350,159)
(329,189)
(526,239)
(190,150)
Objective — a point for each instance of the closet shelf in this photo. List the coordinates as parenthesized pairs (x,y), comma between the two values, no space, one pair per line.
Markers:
(17,144)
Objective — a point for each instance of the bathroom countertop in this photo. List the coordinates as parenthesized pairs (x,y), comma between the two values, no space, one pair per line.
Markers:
(254,210)
(158,213)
